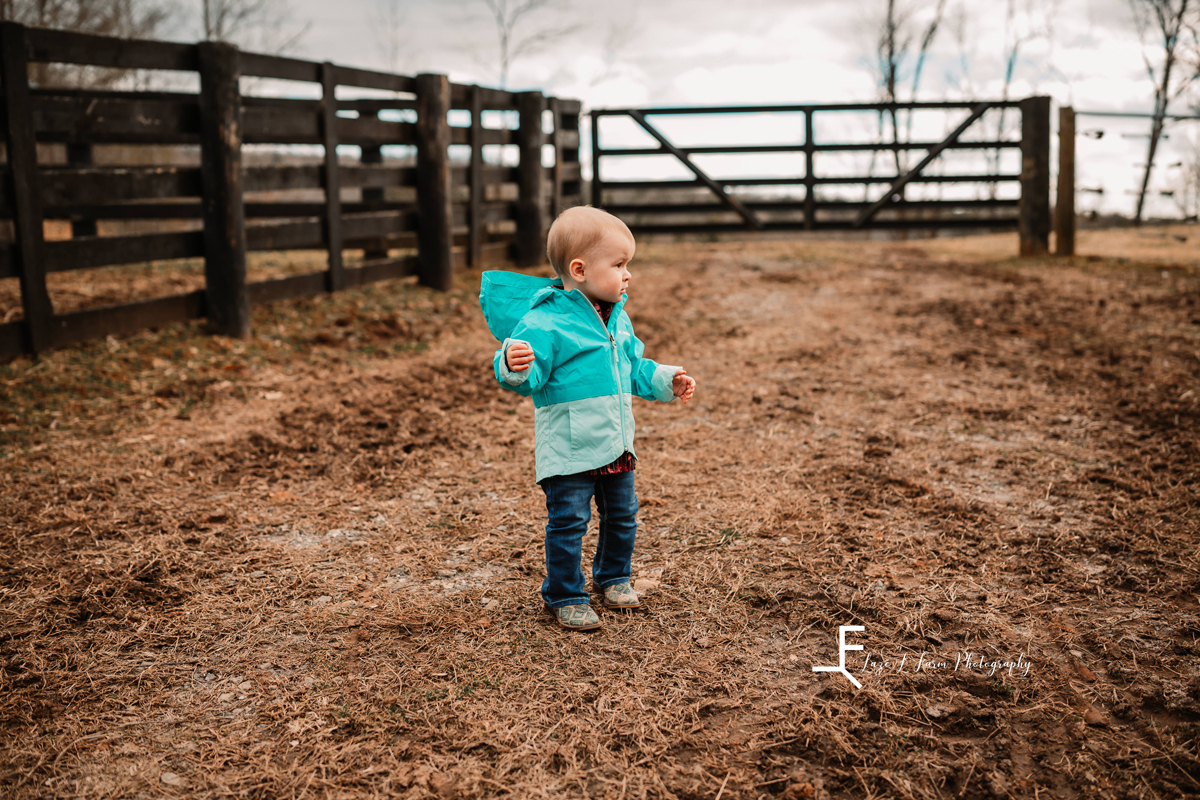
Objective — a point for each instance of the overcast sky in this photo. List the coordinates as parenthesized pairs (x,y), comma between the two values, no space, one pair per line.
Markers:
(649,52)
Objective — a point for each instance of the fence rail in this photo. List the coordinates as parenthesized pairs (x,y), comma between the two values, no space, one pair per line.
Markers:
(439,214)
(1029,214)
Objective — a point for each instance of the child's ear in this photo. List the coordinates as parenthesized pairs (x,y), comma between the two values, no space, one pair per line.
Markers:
(576,269)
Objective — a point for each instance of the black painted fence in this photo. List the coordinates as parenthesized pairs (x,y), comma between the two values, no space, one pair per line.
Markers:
(468,214)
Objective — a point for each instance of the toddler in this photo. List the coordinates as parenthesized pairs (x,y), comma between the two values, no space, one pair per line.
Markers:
(568,343)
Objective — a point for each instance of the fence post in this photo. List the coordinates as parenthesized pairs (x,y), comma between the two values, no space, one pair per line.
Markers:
(434,223)
(335,278)
(25,191)
(531,206)
(597,188)
(567,118)
(475,234)
(1033,223)
(79,154)
(556,139)
(810,180)
(227,301)
(373,154)
(1064,205)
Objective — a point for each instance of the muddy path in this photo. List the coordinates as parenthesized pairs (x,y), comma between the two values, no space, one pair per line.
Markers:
(321,580)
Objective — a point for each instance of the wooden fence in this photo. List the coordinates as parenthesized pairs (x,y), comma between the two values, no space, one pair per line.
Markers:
(462,214)
(727,211)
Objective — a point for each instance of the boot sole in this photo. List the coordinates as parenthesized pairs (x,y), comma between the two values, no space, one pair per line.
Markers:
(578,627)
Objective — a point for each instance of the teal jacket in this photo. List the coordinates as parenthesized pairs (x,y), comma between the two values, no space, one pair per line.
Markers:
(583,375)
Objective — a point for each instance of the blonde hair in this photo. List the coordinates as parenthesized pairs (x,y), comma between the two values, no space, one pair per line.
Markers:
(576,231)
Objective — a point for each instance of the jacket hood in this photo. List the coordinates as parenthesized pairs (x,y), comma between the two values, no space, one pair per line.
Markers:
(505,297)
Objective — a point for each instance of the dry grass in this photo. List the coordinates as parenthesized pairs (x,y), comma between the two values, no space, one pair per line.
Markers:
(318,577)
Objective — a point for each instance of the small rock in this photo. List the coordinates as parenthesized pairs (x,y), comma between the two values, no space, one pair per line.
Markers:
(245,685)
(1092,716)
(784,540)
(226,697)
(322,600)
(171,779)
(645,585)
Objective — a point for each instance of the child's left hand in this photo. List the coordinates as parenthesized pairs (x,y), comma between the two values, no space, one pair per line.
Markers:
(683,385)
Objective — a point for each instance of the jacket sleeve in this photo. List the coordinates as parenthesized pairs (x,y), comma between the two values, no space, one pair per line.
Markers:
(651,380)
(527,381)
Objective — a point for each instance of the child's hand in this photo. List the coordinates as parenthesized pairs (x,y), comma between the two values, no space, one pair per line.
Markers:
(519,356)
(683,385)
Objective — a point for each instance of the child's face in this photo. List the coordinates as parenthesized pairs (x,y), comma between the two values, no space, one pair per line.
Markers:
(606,269)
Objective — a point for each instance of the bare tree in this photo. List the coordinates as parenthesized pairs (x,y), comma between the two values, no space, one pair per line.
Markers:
(898,31)
(1025,22)
(129,19)
(1171,71)
(1017,33)
(892,46)
(620,38)
(1186,189)
(964,80)
(264,25)
(387,26)
(517,34)
(927,37)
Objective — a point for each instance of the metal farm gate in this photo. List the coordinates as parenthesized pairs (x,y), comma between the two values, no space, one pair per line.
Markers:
(727,209)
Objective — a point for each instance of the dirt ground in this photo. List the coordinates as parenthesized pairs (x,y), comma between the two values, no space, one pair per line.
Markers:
(306,564)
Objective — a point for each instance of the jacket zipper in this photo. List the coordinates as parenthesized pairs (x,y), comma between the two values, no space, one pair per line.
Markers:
(616,366)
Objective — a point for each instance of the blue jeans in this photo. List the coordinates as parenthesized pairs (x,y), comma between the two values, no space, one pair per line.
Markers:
(569,506)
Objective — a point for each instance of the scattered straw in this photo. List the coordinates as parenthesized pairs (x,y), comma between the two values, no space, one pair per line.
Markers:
(321,581)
